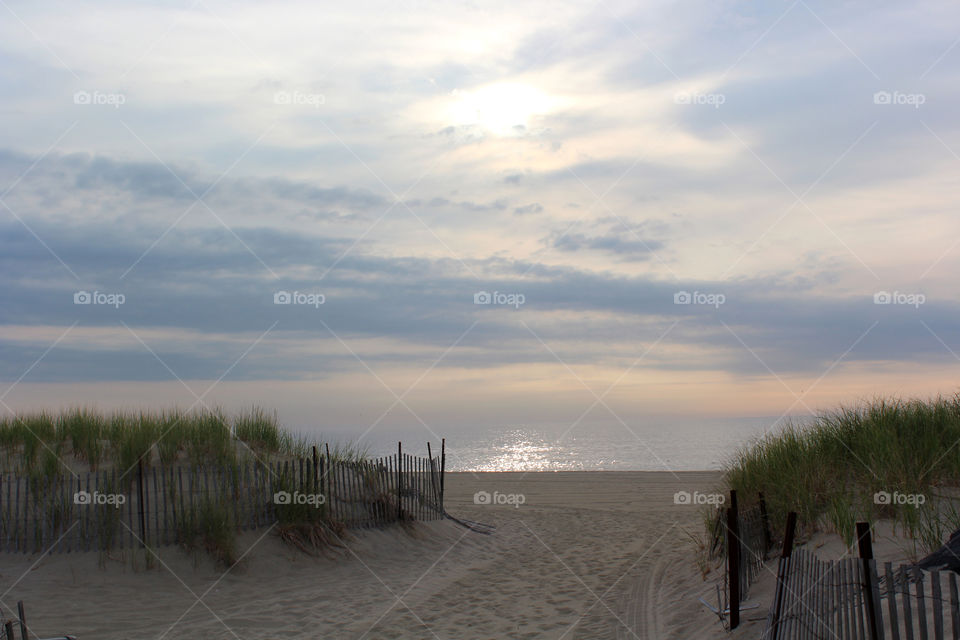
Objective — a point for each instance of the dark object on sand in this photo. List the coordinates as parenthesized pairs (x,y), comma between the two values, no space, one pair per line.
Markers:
(8,632)
(946,557)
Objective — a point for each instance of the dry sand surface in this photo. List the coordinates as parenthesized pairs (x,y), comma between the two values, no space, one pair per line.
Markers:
(588,555)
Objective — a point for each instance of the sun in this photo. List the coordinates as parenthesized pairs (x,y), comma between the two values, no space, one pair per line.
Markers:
(504,108)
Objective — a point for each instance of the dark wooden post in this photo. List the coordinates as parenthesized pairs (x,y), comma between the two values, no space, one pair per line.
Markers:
(733,560)
(327,470)
(8,627)
(433,477)
(788,536)
(23,620)
(140,509)
(399,481)
(871,591)
(765,522)
(443,468)
(316,475)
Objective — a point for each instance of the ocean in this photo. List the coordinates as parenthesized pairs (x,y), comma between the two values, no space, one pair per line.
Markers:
(659,444)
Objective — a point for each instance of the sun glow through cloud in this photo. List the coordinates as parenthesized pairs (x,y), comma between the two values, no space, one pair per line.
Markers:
(501,108)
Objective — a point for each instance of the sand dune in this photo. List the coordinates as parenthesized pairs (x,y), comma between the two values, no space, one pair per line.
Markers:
(587,555)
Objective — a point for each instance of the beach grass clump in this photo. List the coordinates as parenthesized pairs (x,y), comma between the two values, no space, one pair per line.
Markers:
(131,439)
(173,426)
(259,430)
(86,432)
(36,433)
(209,525)
(888,458)
(209,439)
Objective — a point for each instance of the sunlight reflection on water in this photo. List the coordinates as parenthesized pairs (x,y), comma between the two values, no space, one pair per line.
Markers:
(656,445)
(674,446)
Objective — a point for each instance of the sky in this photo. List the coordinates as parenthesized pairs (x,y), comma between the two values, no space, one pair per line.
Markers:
(374,215)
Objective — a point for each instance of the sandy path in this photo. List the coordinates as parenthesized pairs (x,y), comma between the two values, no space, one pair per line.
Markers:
(588,555)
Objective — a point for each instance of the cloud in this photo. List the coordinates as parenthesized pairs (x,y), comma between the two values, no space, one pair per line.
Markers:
(627,244)
(698,197)
(533,207)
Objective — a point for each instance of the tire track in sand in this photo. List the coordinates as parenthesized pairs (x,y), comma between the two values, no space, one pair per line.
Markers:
(642,605)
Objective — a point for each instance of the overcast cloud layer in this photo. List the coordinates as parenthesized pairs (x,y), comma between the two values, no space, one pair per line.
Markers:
(713,208)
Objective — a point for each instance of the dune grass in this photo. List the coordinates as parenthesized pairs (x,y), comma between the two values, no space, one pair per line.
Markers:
(838,469)
(42,444)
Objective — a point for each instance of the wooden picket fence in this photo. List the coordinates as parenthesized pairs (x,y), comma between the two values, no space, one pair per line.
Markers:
(742,536)
(99,511)
(846,599)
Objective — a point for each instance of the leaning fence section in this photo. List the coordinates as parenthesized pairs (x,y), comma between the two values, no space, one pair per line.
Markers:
(853,598)
(742,537)
(156,506)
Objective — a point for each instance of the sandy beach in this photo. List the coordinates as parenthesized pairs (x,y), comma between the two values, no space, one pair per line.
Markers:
(586,555)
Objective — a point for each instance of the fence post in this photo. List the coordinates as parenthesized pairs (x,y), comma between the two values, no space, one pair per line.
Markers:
(399,481)
(788,536)
(143,522)
(871,591)
(765,521)
(443,469)
(328,468)
(733,560)
(433,477)
(23,620)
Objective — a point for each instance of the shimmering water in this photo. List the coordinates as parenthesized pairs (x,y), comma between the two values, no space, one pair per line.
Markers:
(660,444)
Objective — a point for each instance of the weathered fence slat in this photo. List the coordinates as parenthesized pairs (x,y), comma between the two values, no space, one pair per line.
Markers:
(937,605)
(733,560)
(921,606)
(954,607)
(891,601)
